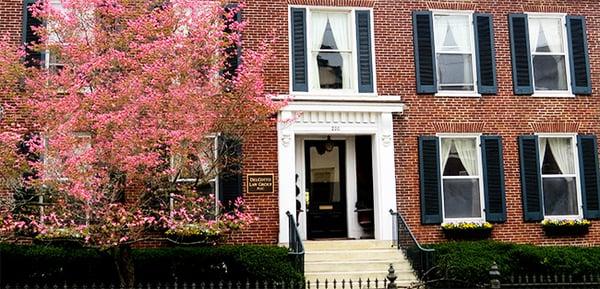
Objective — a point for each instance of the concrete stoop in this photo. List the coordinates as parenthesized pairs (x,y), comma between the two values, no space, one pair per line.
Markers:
(354,260)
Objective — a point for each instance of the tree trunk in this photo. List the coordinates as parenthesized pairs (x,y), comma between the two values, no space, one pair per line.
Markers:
(125,267)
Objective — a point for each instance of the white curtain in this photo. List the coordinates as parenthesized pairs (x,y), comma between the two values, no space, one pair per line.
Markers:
(446,146)
(543,144)
(563,154)
(339,28)
(318,24)
(549,29)
(467,154)
(459,28)
(452,34)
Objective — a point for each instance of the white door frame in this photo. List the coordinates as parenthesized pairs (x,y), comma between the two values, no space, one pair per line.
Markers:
(354,229)
(338,119)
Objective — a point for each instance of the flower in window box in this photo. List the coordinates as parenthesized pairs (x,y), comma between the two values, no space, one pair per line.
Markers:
(467,230)
(187,225)
(565,227)
(64,236)
(195,232)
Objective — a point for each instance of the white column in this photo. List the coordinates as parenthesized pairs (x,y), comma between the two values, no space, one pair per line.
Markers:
(286,169)
(385,177)
(301,183)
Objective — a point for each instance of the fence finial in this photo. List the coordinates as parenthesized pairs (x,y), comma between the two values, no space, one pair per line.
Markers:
(391,276)
(494,276)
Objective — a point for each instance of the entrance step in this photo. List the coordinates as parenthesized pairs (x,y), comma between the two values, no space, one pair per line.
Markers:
(355,266)
(346,245)
(354,260)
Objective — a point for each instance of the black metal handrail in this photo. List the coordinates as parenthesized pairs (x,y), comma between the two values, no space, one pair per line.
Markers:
(295,247)
(421,259)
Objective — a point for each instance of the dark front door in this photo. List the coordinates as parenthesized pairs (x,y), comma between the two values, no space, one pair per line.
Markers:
(326,189)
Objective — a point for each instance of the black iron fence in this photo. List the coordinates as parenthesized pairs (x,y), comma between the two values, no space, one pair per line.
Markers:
(382,284)
(552,282)
(495,281)
(421,259)
(526,281)
(296,249)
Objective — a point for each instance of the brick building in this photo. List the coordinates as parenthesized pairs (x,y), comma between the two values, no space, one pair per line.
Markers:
(446,111)
(487,74)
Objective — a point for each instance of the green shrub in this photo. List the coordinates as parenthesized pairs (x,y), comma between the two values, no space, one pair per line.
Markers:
(39,264)
(471,261)
(47,264)
(246,262)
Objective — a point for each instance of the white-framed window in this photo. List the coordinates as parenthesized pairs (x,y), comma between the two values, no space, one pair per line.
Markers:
(561,192)
(455,53)
(332,36)
(52,61)
(54,164)
(462,182)
(549,54)
(197,165)
(331,50)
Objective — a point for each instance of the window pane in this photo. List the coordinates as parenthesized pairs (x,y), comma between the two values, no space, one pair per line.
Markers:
(560,196)
(461,198)
(546,35)
(550,72)
(331,58)
(455,72)
(329,31)
(452,33)
(557,156)
(333,70)
(459,157)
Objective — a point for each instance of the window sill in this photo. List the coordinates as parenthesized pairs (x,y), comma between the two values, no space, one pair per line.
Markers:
(464,220)
(457,94)
(561,218)
(339,97)
(551,95)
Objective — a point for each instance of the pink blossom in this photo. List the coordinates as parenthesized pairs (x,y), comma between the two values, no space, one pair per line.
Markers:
(136,86)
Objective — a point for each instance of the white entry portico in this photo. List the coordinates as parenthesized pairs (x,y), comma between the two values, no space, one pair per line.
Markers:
(299,121)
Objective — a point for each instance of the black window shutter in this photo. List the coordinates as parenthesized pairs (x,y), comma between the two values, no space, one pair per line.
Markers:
(590,184)
(531,181)
(230,177)
(521,56)
(424,49)
(486,53)
(429,168)
(493,178)
(299,53)
(365,51)
(234,51)
(32,58)
(578,53)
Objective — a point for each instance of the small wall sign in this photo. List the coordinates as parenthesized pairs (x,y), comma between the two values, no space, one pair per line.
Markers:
(260,183)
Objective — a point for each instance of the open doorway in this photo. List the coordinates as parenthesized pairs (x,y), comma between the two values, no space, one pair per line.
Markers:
(364,186)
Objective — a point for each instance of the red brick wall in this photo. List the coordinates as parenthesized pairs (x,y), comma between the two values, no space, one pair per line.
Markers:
(260,157)
(10,25)
(11,13)
(503,114)
(10,22)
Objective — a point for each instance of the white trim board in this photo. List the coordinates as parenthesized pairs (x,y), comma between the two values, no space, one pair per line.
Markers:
(351,120)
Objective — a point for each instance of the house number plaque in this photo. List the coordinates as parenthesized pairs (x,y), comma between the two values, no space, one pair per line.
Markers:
(259,183)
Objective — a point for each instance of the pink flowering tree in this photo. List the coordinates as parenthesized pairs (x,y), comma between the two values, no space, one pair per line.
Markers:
(129,98)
